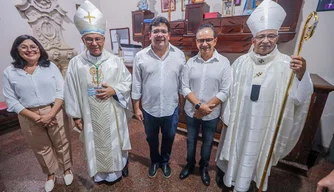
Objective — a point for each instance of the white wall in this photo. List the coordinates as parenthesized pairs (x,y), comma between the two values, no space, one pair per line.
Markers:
(318,50)
(10,30)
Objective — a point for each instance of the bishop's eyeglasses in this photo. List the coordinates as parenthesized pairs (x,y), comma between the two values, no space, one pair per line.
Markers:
(269,37)
(90,40)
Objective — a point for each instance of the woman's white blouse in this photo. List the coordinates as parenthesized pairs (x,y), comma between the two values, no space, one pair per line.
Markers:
(24,90)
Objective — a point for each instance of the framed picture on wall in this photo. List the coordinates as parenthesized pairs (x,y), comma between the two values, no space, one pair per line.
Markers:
(325,5)
(164,5)
(228,8)
(237,2)
(119,36)
(184,3)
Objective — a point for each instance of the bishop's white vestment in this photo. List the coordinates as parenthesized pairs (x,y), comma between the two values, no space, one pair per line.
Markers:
(245,143)
(105,122)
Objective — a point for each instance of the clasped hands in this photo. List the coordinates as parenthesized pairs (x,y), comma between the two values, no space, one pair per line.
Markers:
(204,109)
(106,92)
(47,120)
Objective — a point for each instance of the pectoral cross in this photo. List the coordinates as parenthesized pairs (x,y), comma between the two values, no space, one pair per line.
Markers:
(89,17)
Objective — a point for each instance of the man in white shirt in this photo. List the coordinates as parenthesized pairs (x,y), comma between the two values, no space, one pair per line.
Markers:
(259,81)
(97,97)
(205,84)
(156,82)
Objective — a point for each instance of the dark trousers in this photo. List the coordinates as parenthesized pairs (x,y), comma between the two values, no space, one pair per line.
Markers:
(168,127)
(208,132)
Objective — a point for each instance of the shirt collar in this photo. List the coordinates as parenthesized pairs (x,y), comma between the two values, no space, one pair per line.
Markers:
(215,57)
(22,72)
(262,60)
(95,60)
(170,49)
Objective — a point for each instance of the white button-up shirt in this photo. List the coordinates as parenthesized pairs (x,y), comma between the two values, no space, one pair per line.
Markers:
(157,81)
(24,90)
(206,79)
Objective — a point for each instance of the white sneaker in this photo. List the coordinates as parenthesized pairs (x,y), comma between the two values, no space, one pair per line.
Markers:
(68,178)
(49,185)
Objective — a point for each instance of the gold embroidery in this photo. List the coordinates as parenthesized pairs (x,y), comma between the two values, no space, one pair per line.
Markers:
(258,74)
(96,78)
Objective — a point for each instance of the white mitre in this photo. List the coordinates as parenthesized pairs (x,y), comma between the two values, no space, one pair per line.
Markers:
(268,15)
(88,19)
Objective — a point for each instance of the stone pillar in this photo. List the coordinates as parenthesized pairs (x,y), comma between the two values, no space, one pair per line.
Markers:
(45,18)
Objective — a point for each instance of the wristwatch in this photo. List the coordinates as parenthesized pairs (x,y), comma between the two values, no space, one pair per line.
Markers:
(197,106)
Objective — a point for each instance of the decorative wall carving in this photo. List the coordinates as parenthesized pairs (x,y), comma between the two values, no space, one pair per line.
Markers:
(45,18)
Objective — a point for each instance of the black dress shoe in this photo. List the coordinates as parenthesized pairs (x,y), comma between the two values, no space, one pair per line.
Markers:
(152,171)
(219,177)
(125,171)
(205,176)
(252,187)
(186,171)
(166,170)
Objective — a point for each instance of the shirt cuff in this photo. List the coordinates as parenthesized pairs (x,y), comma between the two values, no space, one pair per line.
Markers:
(185,92)
(221,96)
(18,108)
(135,96)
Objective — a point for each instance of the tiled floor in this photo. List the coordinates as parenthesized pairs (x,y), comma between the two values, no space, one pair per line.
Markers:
(19,170)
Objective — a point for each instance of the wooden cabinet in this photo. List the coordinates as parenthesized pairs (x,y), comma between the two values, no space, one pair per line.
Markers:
(194,16)
(139,28)
(299,155)
(233,33)
(177,29)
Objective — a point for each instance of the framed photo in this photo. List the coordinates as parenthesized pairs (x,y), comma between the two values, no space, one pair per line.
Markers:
(237,2)
(119,36)
(184,3)
(325,5)
(228,8)
(164,5)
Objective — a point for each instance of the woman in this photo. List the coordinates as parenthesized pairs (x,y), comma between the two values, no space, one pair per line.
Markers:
(33,88)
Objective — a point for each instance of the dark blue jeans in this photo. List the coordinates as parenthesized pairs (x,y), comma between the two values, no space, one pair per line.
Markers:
(208,132)
(168,126)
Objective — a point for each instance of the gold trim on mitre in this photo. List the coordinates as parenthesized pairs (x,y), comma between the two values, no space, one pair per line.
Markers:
(268,15)
(89,19)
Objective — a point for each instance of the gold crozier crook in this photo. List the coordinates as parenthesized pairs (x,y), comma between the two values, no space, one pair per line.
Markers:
(307,34)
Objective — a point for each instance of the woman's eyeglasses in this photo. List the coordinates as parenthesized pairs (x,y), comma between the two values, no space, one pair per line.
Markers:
(31,47)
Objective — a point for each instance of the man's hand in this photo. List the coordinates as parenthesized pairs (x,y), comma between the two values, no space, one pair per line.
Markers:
(198,114)
(326,184)
(105,93)
(139,114)
(298,66)
(78,124)
(205,109)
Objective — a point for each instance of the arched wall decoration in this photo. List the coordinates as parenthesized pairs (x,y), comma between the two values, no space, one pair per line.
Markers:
(45,18)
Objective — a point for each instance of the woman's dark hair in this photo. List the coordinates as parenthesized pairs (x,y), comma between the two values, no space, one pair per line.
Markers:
(19,62)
